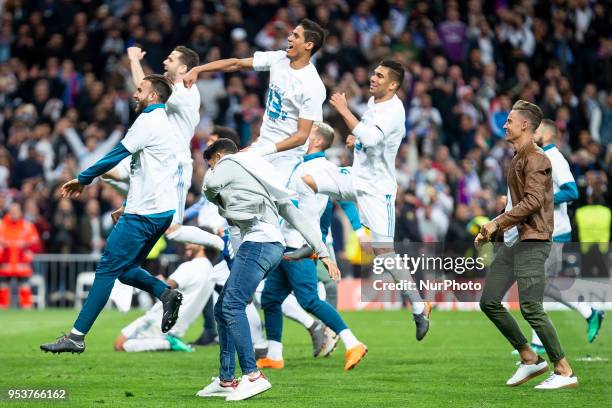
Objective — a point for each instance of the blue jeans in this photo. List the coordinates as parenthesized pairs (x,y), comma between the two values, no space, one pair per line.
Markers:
(252,262)
(126,249)
(301,277)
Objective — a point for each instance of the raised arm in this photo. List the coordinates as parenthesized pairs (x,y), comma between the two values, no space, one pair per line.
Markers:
(223,65)
(135,55)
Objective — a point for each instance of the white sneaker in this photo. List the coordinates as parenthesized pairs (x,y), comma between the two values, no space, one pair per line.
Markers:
(556,381)
(250,387)
(526,372)
(216,389)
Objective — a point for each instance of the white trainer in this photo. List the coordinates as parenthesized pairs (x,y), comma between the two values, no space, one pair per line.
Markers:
(526,372)
(556,381)
(249,387)
(216,389)
(331,341)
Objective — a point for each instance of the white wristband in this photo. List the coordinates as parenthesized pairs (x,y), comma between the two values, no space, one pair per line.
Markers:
(265,149)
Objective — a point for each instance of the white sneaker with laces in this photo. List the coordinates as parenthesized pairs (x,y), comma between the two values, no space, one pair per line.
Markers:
(216,389)
(250,387)
(331,341)
(556,381)
(526,372)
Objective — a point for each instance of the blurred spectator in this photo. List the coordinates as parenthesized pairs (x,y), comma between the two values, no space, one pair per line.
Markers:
(18,242)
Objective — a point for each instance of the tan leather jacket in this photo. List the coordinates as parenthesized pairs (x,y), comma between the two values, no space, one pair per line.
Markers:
(531,189)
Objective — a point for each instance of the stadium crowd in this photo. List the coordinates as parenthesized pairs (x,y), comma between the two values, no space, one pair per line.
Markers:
(65,97)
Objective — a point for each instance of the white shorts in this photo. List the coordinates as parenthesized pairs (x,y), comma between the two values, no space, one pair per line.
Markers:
(182,180)
(377,212)
(285,164)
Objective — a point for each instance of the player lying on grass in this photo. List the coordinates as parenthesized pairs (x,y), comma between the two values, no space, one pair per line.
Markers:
(195,279)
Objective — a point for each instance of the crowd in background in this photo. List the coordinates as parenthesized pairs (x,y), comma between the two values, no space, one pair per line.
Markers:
(65,96)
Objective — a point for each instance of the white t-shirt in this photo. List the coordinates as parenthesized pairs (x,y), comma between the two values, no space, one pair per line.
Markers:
(561,175)
(374,166)
(194,279)
(311,204)
(183,109)
(511,236)
(292,94)
(152,142)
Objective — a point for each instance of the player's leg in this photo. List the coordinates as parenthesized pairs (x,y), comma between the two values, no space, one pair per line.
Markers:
(275,290)
(253,261)
(334,182)
(302,276)
(316,329)
(529,271)
(141,335)
(123,247)
(186,233)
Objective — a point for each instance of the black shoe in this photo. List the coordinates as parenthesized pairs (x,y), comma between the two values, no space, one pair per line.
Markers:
(171,300)
(64,344)
(421,321)
(317,335)
(206,339)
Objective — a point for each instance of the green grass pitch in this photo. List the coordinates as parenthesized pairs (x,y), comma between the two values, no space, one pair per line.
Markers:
(463,362)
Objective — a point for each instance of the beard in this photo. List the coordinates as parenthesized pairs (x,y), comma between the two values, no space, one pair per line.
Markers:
(140,105)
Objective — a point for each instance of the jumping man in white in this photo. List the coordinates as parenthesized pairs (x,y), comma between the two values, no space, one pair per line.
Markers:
(371,180)
(183,112)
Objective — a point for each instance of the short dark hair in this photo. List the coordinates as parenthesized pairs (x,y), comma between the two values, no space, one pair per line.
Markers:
(220,146)
(313,33)
(397,70)
(225,132)
(161,85)
(188,56)
(530,111)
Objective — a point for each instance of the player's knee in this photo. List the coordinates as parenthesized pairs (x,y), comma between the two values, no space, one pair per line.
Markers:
(532,311)
(308,303)
(309,181)
(269,301)
(489,305)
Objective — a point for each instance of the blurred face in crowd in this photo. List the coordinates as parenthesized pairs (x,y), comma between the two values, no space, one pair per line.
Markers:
(144,95)
(15,212)
(382,82)
(296,44)
(173,66)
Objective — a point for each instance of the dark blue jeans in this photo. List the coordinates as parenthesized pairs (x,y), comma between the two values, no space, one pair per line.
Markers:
(252,262)
(301,277)
(126,249)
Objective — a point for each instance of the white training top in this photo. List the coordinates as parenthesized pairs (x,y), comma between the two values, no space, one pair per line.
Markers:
(183,108)
(194,279)
(561,174)
(292,94)
(311,204)
(152,142)
(511,236)
(378,134)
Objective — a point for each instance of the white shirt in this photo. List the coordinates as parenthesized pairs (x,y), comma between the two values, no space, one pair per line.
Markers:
(152,142)
(194,279)
(292,94)
(511,236)
(311,204)
(374,165)
(561,174)
(183,109)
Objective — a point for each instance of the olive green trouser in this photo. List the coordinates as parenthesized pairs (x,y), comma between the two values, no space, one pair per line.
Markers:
(331,287)
(524,263)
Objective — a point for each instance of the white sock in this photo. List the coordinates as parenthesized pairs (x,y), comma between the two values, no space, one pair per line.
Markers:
(292,309)
(75,331)
(348,338)
(150,344)
(321,291)
(582,308)
(257,336)
(398,275)
(195,235)
(535,339)
(275,350)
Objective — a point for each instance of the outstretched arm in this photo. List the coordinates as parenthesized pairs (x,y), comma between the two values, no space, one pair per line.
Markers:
(223,65)
(135,54)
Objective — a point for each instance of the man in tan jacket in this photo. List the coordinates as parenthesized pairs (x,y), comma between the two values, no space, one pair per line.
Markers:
(525,228)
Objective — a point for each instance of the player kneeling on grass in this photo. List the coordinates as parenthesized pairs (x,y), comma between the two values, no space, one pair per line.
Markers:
(194,279)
